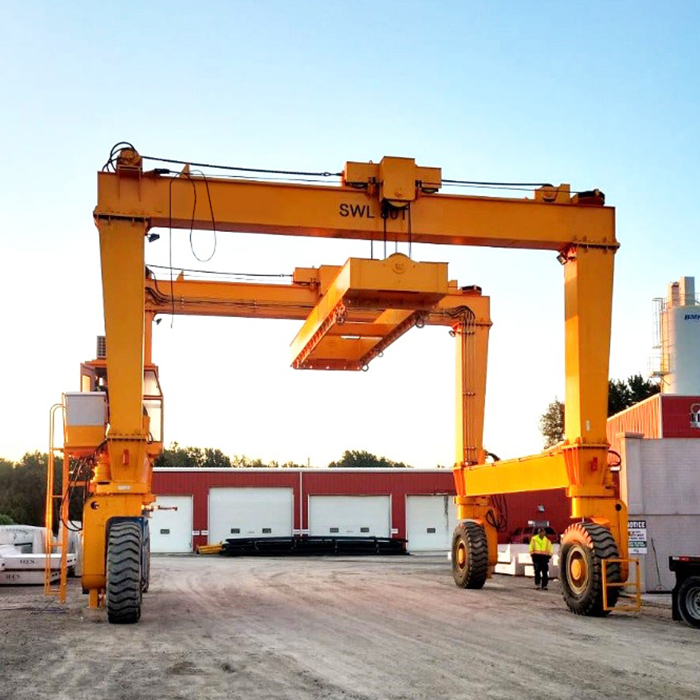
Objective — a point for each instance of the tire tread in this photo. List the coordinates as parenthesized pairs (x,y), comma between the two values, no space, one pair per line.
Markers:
(600,541)
(475,572)
(124,573)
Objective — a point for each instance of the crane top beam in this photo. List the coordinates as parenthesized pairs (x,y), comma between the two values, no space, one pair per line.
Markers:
(395,199)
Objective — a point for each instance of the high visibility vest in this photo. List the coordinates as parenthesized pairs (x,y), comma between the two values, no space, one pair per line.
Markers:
(540,545)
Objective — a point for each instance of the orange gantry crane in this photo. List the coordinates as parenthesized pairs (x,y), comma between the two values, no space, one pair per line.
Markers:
(113,426)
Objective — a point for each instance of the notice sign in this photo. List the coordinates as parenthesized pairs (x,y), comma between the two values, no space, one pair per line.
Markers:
(637,532)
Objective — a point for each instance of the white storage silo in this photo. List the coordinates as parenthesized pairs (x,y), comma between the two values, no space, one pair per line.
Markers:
(680,327)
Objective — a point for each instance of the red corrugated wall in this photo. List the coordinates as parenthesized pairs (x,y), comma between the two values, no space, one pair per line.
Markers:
(397,483)
(644,418)
(662,415)
(676,411)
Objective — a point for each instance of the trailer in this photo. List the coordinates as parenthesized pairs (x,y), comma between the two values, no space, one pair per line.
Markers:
(686,593)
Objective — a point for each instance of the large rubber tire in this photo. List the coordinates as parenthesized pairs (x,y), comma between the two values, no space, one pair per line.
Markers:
(470,555)
(689,601)
(583,547)
(124,573)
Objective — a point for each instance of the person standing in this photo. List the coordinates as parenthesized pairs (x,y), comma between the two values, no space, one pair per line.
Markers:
(541,551)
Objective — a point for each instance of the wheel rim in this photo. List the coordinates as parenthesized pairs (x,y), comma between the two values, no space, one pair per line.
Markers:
(578,569)
(693,602)
(461,555)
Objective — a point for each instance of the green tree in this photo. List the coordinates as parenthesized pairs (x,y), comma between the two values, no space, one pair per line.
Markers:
(177,457)
(625,393)
(552,424)
(215,459)
(641,388)
(23,490)
(243,462)
(360,459)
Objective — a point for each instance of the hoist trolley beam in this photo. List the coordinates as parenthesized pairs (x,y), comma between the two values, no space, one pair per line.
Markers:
(186,297)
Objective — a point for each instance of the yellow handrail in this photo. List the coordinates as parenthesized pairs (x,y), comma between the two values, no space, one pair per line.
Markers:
(62,542)
(637,606)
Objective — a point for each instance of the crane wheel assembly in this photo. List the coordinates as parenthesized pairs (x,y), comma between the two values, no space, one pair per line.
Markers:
(124,582)
(470,555)
(583,547)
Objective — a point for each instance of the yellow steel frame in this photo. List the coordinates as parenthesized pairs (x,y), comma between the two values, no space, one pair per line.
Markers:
(393,199)
(61,543)
(400,290)
(636,606)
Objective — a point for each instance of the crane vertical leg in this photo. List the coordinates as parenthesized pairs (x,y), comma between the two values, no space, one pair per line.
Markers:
(122,487)
(475,539)
(601,530)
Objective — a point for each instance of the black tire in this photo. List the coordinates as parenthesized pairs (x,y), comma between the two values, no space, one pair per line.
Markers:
(470,555)
(584,546)
(124,573)
(689,601)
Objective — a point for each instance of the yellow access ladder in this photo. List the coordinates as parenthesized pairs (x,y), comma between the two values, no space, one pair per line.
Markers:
(61,543)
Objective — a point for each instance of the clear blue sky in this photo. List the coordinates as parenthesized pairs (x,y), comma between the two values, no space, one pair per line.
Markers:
(599,94)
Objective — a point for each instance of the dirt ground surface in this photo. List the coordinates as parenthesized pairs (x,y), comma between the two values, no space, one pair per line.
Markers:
(351,628)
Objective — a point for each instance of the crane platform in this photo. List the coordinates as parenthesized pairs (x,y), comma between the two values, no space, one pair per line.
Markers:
(340,334)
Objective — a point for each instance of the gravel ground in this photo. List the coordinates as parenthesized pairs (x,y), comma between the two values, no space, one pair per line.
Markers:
(351,628)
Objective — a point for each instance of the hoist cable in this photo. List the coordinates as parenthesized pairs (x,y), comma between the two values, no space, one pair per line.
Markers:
(215,272)
(268,171)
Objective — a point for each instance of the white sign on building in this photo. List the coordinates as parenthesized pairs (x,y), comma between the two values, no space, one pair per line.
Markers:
(637,534)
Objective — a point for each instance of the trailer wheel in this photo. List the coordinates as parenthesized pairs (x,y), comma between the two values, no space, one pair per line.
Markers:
(689,601)
(124,573)
(583,547)
(470,555)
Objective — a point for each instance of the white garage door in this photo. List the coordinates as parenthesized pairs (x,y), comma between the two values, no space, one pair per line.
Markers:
(430,521)
(363,516)
(171,530)
(250,512)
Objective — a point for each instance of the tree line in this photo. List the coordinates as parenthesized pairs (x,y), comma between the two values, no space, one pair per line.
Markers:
(177,457)
(23,491)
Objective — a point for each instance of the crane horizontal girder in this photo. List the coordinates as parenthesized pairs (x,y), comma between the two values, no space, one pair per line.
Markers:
(552,220)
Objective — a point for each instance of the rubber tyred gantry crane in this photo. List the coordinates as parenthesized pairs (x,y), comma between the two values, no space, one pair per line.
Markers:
(113,428)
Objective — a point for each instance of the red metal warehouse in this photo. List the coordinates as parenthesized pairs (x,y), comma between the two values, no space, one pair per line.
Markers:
(216,504)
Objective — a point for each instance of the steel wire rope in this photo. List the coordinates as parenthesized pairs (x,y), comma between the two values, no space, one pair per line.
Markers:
(218,272)
(451,182)
(237,168)
(72,480)
(114,153)
(251,178)
(213,220)
(487,183)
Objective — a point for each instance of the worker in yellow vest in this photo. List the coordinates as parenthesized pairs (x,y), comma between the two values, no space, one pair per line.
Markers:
(541,551)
